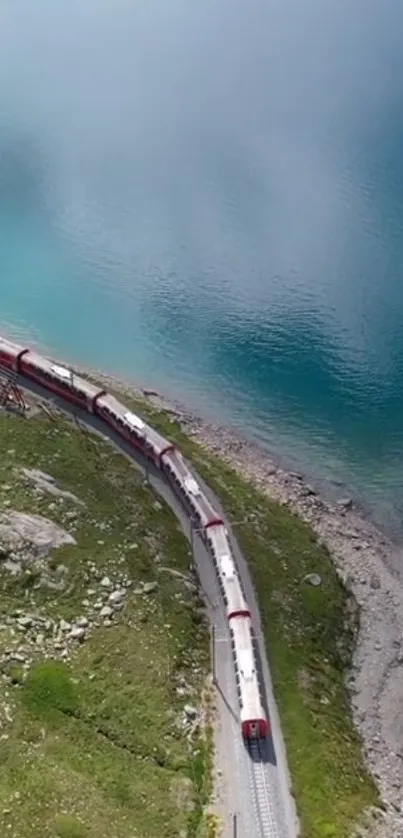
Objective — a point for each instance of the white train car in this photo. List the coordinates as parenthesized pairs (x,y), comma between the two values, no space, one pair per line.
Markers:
(60,380)
(227,572)
(254,723)
(132,428)
(188,490)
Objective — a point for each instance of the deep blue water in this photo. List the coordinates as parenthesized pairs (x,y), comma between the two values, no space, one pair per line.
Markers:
(208,198)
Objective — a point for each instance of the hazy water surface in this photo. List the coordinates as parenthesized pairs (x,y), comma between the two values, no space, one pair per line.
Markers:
(208,198)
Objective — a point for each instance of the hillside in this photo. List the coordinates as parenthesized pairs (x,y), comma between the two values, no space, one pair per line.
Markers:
(103,646)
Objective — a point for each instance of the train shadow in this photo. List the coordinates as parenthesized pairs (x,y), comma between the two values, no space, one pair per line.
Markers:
(266,751)
(226,702)
(261,750)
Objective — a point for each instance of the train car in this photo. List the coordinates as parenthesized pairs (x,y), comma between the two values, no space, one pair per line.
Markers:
(188,490)
(10,354)
(148,441)
(254,723)
(229,580)
(59,380)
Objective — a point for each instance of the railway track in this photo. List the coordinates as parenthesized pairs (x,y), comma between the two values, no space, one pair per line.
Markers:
(264,804)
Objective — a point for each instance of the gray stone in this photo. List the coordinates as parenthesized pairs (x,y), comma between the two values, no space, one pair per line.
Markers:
(45,483)
(116,596)
(25,622)
(375,581)
(77,633)
(106,582)
(106,611)
(18,656)
(313,579)
(345,503)
(190,711)
(82,622)
(148,587)
(64,625)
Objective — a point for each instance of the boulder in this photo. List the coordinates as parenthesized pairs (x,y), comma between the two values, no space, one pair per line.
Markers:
(313,579)
(116,597)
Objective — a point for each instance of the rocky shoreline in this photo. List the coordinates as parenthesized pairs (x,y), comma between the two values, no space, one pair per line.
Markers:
(368,564)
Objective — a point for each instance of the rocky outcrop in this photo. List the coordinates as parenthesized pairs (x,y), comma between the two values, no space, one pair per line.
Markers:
(25,539)
(45,483)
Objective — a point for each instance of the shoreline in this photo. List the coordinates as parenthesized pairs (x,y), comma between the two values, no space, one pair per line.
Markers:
(367,562)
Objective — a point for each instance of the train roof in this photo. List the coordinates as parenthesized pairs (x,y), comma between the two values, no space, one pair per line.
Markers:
(65,373)
(190,484)
(158,442)
(246,664)
(134,421)
(10,347)
(228,571)
(248,684)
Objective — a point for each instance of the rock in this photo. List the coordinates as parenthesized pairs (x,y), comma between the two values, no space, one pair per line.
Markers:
(45,483)
(157,506)
(106,611)
(313,579)
(148,587)
(345,503)
(19,531)
(82,622)
(375,581)
(24,622)
(116,596)
(18,656)
(307,491)
(191,712)
(64,625)
(77,633)
(106,582)
(40,639)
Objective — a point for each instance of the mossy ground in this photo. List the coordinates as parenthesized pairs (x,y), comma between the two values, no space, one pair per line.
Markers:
(92,747)
(309,635)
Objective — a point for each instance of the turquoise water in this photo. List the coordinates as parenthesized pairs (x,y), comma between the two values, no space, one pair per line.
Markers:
(208,199)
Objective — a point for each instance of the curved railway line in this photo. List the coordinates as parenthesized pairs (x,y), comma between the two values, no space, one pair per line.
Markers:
(254,770)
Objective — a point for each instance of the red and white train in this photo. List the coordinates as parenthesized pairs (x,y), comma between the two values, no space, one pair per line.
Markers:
(76,390)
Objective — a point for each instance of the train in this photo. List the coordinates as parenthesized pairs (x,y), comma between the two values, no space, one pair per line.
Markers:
(76,390)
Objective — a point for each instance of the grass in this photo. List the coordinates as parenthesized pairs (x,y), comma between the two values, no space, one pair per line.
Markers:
(92,744)
(309,633)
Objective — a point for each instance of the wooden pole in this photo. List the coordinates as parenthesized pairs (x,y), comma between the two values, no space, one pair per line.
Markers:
(234,826)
